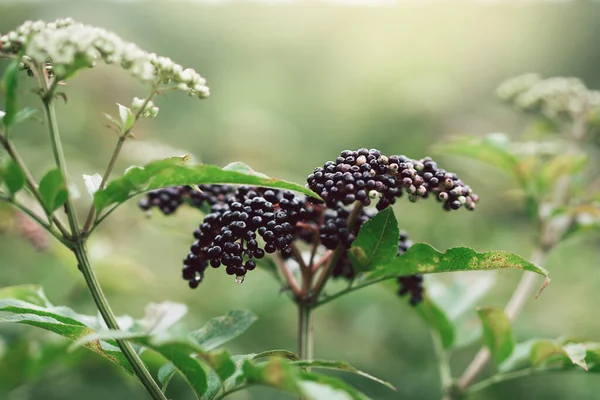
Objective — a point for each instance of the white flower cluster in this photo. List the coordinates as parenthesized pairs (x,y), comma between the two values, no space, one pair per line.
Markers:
(70,46)
(554,97)
(150,110)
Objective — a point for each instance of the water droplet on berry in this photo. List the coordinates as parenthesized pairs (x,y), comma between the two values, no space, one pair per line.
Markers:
(239,279)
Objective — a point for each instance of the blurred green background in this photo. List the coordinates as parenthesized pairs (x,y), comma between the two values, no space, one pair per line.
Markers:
(292,85)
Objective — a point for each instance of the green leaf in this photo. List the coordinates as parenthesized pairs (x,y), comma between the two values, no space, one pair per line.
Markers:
(437,319)
(490,150)
(127,118)
(340,366)
(9,86)
(497,333)
(377,242)
(557,167)
(276,373)
(290,355)
(318,387)
(13,176)
(179,354)
(421,258)
(24,115)
(456,295)
(546,351)
(243,169)
(431,313)
(53,190)
(165,374)
(220,330)
(29,306)
(172,172)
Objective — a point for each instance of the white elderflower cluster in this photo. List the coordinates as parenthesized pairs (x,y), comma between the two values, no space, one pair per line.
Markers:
(149,111)
(554,97)
(70,46)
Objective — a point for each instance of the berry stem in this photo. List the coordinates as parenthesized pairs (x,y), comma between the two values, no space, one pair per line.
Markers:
(358,207)
(81,254)
(288,276)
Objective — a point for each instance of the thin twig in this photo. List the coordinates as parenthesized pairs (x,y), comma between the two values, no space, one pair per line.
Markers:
(322,260)
(37,219)
(31,184)
(91,216)
(287,274)
(550,235)
(340,249)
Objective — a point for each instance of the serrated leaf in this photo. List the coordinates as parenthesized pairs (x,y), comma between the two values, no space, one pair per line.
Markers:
(497,333)
(127,118)
(9,85)
(376,243)
(421,258)
(13,176)
(340,366)
(92,183)
(53,190)
(172,172)
(487,150)
(219,330)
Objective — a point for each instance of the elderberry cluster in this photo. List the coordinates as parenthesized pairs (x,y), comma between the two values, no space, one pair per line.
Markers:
(229,234)
(365,175)
(168,200)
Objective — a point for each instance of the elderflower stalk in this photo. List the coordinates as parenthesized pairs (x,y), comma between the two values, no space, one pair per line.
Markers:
(91,217)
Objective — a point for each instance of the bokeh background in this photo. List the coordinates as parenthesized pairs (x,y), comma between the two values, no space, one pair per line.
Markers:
(292,84)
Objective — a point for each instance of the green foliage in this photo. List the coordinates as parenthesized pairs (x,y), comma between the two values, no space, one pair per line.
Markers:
(557,354)
(280,374)
(421,258)
(12,176)
(437,320)
(497,333)
(9,86)
(220,330)
(29,306)
(173,172)
(210,372)
(53,190)
(493,150)
(377,242)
